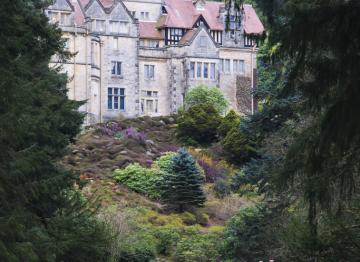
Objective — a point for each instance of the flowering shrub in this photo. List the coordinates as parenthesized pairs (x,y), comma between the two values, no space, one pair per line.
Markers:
(114,129)
(132,133)
(109,128)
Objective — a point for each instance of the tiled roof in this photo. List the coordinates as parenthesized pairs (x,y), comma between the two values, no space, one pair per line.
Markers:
(180,14)
(187,37)
(183,14)
(79,16)
(252,23)
(149,30)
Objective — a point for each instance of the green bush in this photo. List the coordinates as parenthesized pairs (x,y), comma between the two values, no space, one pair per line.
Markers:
(230,121)
(188,218)
(222,187)
(198,125)
(164,162)
(207,95)
(140,247)
(166,239)
(140,179)
(198,247)
(238,146)
(244,236)
(202,218)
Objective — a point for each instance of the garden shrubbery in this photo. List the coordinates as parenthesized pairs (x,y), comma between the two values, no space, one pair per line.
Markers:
(175,178)
(198,125)
(140,179)
(202,94)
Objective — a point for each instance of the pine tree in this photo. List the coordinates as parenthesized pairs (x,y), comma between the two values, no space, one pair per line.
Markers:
(182,186)
(41,217)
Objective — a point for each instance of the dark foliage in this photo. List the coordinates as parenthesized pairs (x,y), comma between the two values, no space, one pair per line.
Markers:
(41,219)
(198,125)
(182,186)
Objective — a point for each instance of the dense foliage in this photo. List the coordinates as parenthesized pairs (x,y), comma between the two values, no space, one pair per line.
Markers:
(231,120)
(182,187)
(41,217)
(198,125)
(306,134)
(140,179)
(206,95)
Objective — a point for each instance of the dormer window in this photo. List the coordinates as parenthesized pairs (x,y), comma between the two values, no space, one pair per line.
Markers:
(249,41)
(173,35)
(98,25)
(117,27)
(63,18)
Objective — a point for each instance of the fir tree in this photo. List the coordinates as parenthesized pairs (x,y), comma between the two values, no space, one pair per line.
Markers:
(41,217)
(182,186)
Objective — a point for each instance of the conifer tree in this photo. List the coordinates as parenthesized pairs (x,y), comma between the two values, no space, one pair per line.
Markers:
(182,186)
(41,217)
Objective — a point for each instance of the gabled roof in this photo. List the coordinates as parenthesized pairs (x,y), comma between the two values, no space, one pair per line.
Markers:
(149,30)
(191,35)
(183,14)
(79,16)
(81,5)
(252,23)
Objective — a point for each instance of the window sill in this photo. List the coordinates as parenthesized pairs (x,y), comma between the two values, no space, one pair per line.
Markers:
(116,110)
(117,76)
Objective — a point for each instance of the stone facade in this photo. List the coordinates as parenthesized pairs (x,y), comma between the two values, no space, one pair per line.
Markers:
(126,63)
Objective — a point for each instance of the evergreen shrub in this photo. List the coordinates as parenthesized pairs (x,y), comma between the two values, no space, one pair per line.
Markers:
(198,125)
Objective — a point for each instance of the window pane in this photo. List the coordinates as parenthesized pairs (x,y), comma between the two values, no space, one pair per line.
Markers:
(118,68)
(116,102)
(227,65)
(152,75)
(122,102)
(242,66)
(116,90)
(198,70)
(146,71)
(206,70)
(192,69)
(113,69)
(123,27)
(109,102)
(212,71)
(122,91)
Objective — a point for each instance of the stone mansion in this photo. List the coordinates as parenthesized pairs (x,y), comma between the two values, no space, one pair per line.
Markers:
(139,57)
